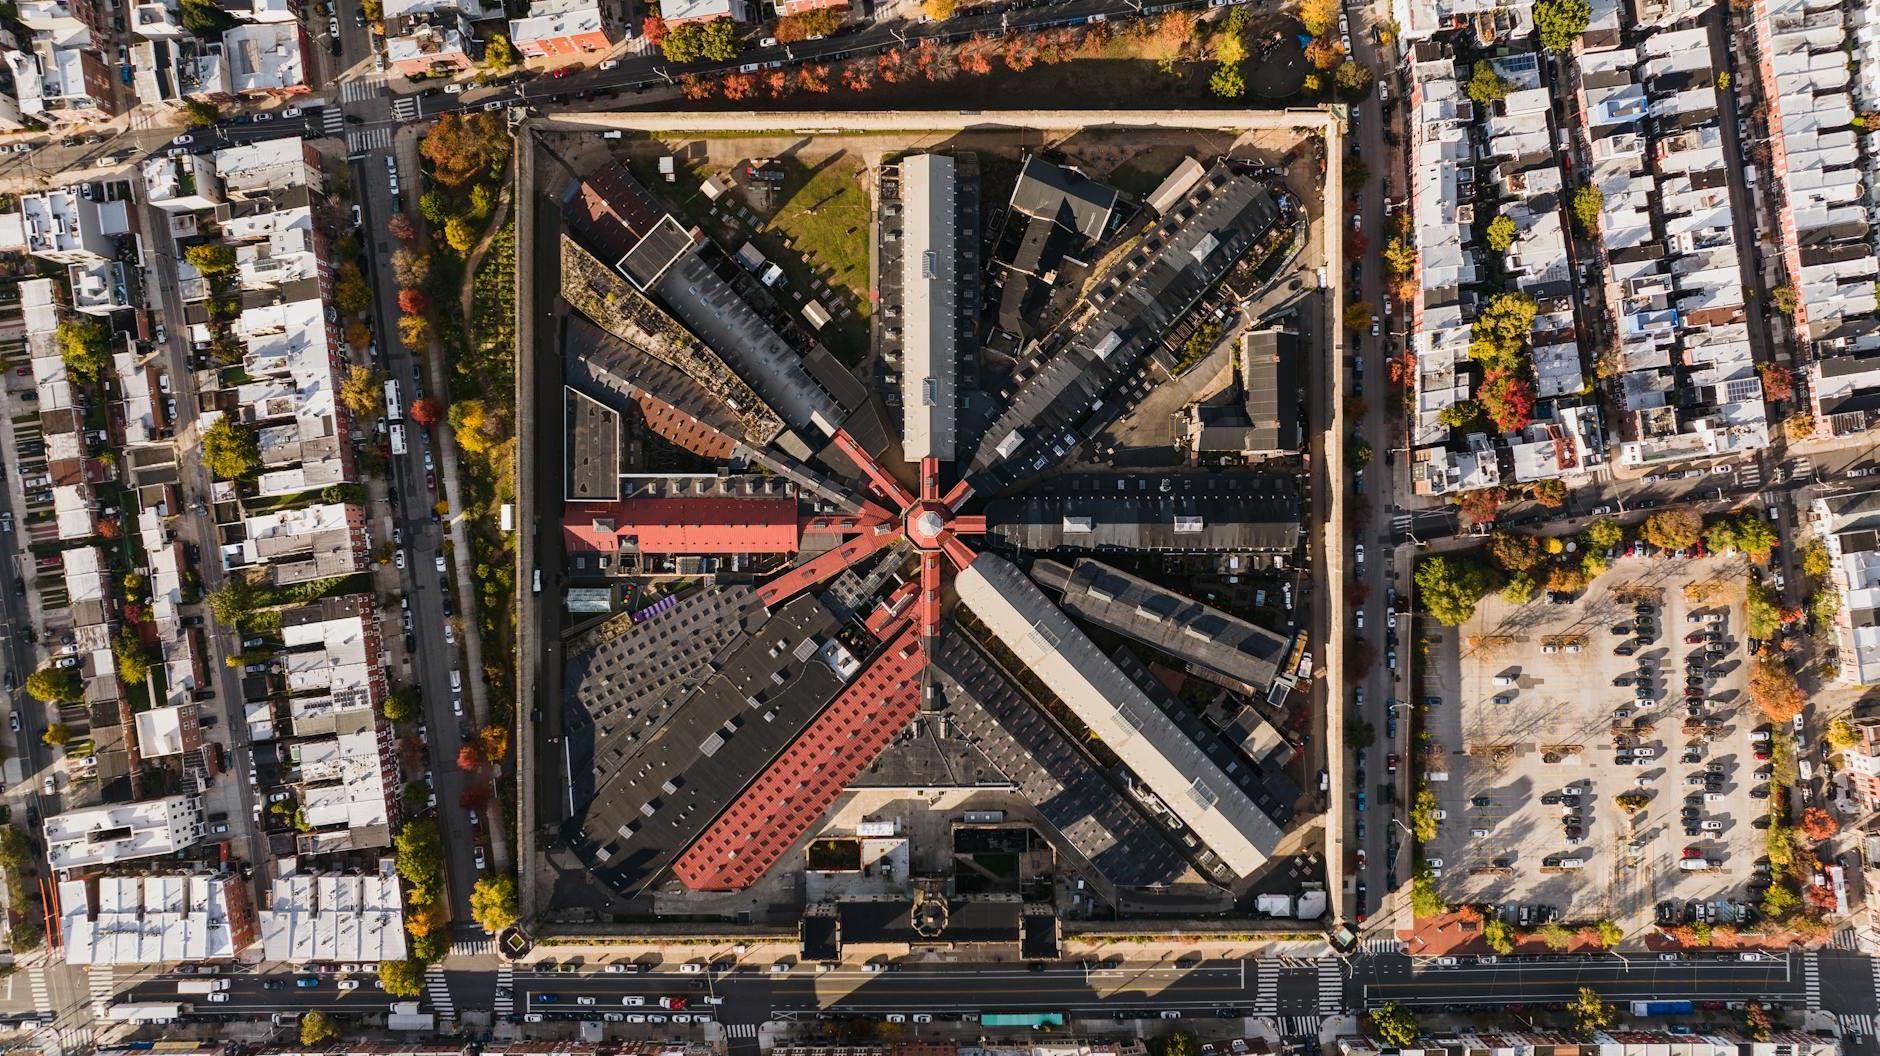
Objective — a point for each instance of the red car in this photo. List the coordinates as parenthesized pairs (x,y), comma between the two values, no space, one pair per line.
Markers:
(1390,762)
(562,71)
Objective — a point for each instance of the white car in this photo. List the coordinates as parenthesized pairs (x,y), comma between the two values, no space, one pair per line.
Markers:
(450,635)
(347,984)
(691,968)
(184,140)
(1390,618)
(219,996)
(584,1000)
(440,562)
(610,64)
(398,558)
(477,854)
(1358,550)
(615,969)
(453,89)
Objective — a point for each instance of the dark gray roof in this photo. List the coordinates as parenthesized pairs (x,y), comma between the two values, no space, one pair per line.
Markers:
(1272,390)
(660,778)
(1167,621)
(1087,819)
(593,448)
(1130,311)
(1069,198)
(965,920)
(1263,517)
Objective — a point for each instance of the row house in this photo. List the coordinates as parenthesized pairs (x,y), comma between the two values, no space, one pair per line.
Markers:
(1823,200)
(563,27)
(1492,20)
(61,78)
(1848,525)
(71,471)
(344,752)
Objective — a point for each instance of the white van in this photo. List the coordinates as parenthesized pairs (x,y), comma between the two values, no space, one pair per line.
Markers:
(456,680)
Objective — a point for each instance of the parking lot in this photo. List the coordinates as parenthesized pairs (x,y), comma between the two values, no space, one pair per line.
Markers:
(1548,712)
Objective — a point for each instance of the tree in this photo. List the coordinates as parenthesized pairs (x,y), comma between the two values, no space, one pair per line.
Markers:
(1841,735)
(482,201)
(1449,587)
(413,302)
(475,796)
(493,903)
(1319,16)
(1817,824)
(1423,814)
(413,331)
(716,40)
(1499,935)
(1590,1012)
(1352,76)
(1227,81)
(1556,935)
(478,426)
(316,1028)
(1762,610)
(361,390)
(1603,534)
(1358,315)
(1479,506)
(1395,1026)
(1772,687)
(1400,257)
(1551,492)
(1779,900)
(460,234)
(418,855)
(350,292)
(494,740)
(462,148)
(1425,900)
(199,112)
(1799,426)
(215,260)
(56,734)
(133,662)
(821,22)
(1519,589)
(939,10)
(1608,933)
(85,347)
(1784,299)
(1501,232)
(1631,800)
(1815,560)
(230,449)
(1819,898)
(1462,414)
(54,685)
(403,978)
(1561,22)
(1756,1021)
(427,412)
(234,600)
(403,705)
(498,53)
(653,28)
(1508,398)
(469,758)
(410,266)
(1778,382)
(401,227)
(436,207)
(1588,203)
(1324,53)
(1754,536)
(1674,529)
(1486,86)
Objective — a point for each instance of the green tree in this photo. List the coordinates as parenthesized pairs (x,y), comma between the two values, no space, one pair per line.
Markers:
(234,600)
(1520,588)
(1816,561)
(1556,935)
(1423,814)
(216,260)
(1228,82)
(493,903)
(1754,536)
(350,292)
(402,978)
(230,449)
(1610,934)
(316,1028)
(1501,232)
(1352,76)
(56,734)
(1395,1026)
(403,705)
(1486,86)
(1425,900)
(55,685)
(85,346)
(133,661)
(1588,203)
(498,53)
(1449,587)
(1465,415)
(436,207)
(1762,610)
(418,854)
(1603,534)
(1591,1013)
(482,202)
(1784,299)
(1178,1042)
(1561,22)
(1499,934)
(1674,529)
(716,41)
(199,112)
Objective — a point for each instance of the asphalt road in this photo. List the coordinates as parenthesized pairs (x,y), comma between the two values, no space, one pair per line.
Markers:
(1548,980)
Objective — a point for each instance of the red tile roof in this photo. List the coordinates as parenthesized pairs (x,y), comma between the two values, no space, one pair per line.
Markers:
(794,792)
(683,526)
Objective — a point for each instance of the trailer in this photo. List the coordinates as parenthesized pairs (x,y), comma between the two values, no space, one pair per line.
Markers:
(146,1012)
(1661,1008)
(200,986)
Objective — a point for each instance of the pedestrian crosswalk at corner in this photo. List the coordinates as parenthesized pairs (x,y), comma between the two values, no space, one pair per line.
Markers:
(1846,939)
(1811,980)
(36,978)
(1331,985)
(740,1030)
(1266,986)
(361,89)
(101,985)
(1299,1026)
(1855,1023)
(1383,945)
(332,121)
(505,1001)
(368,139)
(405,107)
(471,947)
(437,988)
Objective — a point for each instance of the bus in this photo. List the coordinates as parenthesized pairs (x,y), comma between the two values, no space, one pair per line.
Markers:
(394,409)
(398,438)
(1030,1020)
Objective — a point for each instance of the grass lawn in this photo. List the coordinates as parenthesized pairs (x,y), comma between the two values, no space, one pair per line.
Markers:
(824,219)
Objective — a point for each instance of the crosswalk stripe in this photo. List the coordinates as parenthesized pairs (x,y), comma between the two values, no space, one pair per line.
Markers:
(361,89)
(439,990)
(1384,945)
(1331,985)
(404,108)
(505,982)
(1856,1023)
(102,984)
(1811,980)
(1300,1026)
(473,947)
(740,1030)
(42,995)
(368,139)
(1266,988)
(332,121)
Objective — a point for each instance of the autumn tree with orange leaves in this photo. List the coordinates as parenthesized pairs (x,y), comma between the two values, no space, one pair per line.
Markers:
(813,79)
(1817,824)
(739,86)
